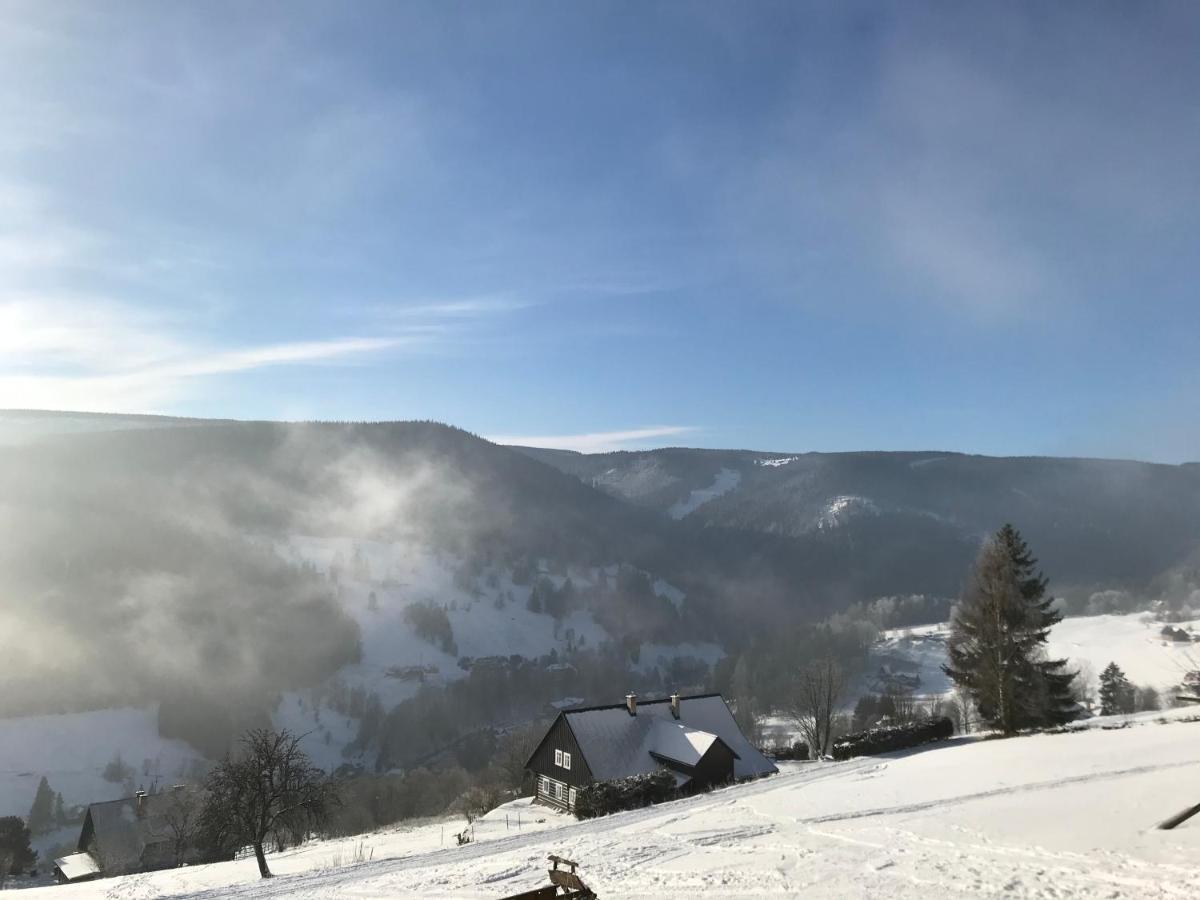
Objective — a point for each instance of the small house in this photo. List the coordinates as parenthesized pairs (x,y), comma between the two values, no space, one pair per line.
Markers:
(135,834)
(695,738)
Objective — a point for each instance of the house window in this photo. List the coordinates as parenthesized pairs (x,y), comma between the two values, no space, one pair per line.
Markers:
(558,755)
(571,802)
(545,787)
(566,761)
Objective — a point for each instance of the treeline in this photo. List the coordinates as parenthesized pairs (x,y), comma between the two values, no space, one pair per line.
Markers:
(900,611)
(801,672)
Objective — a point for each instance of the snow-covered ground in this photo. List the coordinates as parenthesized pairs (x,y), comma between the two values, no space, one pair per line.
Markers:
(1133,641)
(841,509)
(776,462)
(1063,815)
(377,581)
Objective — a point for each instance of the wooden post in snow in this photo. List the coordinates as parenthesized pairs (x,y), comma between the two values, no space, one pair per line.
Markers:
(1179,818)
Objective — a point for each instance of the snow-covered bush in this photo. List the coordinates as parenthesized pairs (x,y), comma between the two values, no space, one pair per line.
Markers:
(887,740)
(621,794)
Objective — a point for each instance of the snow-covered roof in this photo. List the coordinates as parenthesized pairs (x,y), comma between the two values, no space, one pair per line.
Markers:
(77,866)
(675,741)
(616,744)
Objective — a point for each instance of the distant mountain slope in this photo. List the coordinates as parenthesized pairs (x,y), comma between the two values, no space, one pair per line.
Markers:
(140,561)
(1092,522)
(22,426)
(145,564)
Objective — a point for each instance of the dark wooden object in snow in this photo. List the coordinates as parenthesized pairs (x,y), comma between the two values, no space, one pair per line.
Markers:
(565,879)
(1179,818)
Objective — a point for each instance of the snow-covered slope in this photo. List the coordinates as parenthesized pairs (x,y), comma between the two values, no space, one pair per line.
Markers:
(375,583)
(1133,641)
(488,614)
(1066,815)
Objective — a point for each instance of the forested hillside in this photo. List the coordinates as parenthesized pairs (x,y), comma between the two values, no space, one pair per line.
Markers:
(913,520)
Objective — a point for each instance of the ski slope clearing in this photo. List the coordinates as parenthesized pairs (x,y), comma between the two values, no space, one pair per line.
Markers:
(726,481)
(1062,815)
(1133,641)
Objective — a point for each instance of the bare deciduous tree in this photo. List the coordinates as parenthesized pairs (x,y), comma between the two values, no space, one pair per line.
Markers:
(962,710)
(269,782)
(181,815)
(513,751)
(816,693)
(1085,682)
(903,703)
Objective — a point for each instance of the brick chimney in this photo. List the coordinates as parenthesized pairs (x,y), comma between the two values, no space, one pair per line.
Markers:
(631,703)
(675,704)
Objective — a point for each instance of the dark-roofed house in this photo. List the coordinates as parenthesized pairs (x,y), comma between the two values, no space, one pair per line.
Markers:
(134,834)
(695,738)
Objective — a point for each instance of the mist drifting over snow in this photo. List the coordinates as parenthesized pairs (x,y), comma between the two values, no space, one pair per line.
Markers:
(141,566)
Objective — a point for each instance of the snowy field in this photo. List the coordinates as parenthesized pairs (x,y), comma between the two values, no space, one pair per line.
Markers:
(1065,815)
(1133,641)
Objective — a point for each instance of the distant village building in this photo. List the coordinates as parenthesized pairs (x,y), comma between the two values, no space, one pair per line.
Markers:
(695,738)
(134,834)
(411,673)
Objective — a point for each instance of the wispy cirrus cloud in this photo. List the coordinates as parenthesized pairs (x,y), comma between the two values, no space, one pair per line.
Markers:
(466,307)
(97,356)
(598,441)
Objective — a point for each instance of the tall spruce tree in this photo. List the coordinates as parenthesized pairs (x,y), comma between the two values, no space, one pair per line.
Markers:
(997,637)
(1116,693)
(41,814)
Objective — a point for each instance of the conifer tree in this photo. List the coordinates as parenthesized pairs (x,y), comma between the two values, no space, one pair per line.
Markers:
(1116,693)
(41,814)
(16,854)
(997,638)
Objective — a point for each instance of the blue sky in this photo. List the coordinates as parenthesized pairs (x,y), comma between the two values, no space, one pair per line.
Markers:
(781,226)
